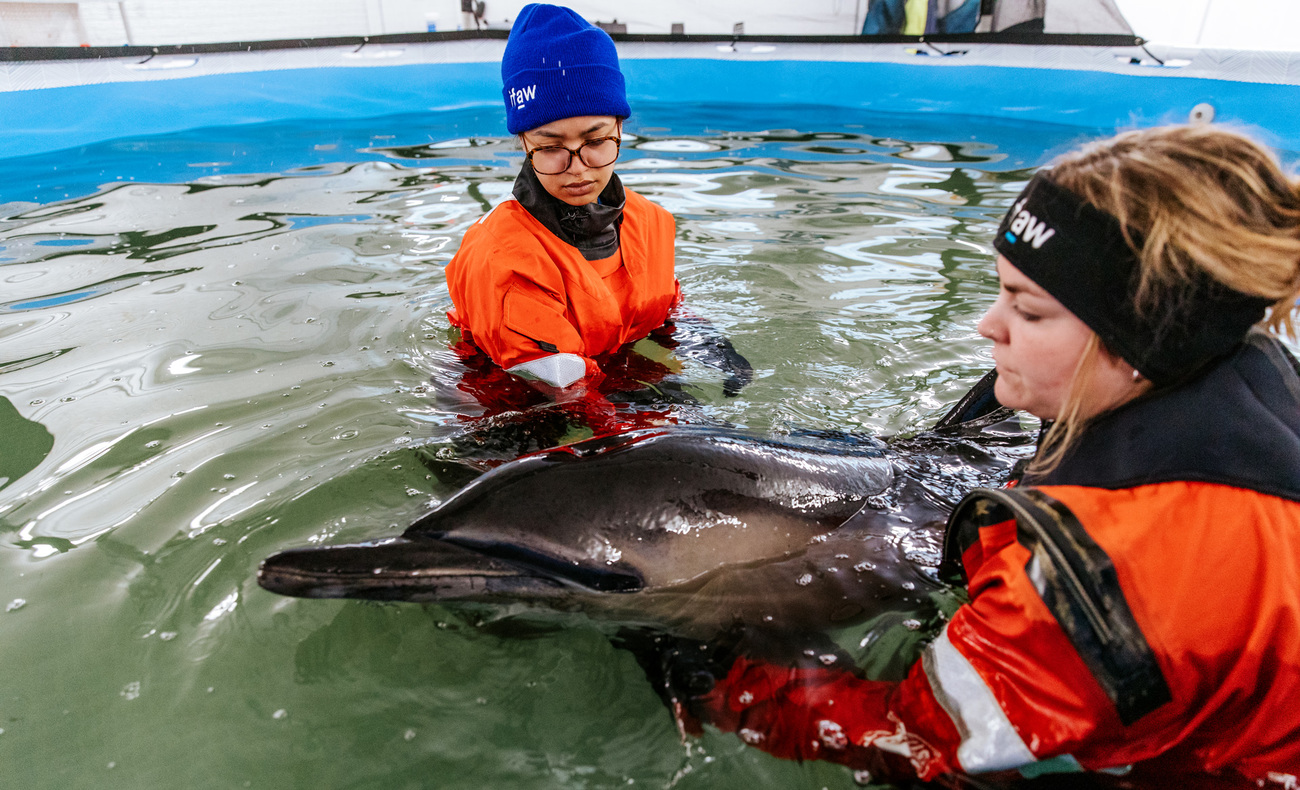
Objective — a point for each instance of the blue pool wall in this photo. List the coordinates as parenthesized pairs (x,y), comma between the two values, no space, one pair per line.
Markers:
(56,118)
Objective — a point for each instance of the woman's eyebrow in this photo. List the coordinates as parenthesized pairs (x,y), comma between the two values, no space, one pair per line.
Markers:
(558,136)
(1025,290)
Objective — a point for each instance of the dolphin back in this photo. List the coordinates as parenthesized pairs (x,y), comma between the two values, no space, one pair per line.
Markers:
(659,507)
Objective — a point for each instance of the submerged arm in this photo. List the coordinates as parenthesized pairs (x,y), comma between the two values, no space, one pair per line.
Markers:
(1001,687)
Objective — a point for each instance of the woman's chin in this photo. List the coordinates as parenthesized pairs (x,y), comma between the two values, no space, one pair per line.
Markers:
(1014,397)
(1005,393)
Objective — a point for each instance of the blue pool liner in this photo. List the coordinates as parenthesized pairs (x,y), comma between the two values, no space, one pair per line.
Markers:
(64,117)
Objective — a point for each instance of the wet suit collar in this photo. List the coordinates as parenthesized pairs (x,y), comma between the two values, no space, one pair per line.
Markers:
(592,229)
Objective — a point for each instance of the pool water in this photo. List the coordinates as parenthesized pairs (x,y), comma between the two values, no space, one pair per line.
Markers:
(225,342)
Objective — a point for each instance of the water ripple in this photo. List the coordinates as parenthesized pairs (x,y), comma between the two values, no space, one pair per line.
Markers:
(229,341)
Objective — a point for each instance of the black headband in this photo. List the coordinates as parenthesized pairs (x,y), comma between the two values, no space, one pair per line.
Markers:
(1078,254)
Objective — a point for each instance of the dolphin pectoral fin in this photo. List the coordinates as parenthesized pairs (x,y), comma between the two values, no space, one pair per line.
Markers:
(400,570)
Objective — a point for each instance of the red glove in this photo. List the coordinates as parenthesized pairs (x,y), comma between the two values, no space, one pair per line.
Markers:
(818,714)
(594,410)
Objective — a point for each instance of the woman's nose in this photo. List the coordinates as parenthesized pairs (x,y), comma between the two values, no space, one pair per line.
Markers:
(990,326)
(576,165)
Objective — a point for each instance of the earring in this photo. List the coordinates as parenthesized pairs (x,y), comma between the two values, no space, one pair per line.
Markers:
(1137,376)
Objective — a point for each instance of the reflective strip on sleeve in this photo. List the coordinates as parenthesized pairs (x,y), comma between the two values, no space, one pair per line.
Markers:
(558,370)
(988,740)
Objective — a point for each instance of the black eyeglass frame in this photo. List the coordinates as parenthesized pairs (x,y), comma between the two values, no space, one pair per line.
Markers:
(618,144)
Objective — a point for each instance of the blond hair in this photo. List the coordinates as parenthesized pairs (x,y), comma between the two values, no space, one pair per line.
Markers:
(1197,204)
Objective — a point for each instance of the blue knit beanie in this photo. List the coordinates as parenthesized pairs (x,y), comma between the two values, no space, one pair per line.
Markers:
(557,65)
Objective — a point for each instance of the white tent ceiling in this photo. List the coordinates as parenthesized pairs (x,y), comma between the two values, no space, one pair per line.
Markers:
(1213,24)
(1217,24)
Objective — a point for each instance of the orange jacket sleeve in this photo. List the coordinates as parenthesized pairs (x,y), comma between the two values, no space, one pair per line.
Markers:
(950,713)
(1009,683)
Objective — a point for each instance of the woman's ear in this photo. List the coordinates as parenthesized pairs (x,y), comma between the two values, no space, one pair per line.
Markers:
(1111,357)
(1121,369)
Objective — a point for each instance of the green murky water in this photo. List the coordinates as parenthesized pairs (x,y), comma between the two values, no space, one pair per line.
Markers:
(218,344)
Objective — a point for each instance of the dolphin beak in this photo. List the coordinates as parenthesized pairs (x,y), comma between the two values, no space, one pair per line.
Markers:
(399,569)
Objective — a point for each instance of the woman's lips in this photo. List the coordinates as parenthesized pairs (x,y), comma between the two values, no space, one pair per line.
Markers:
(578,188)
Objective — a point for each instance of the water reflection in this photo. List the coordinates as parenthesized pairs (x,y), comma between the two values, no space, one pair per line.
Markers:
(296,305)
(27,443)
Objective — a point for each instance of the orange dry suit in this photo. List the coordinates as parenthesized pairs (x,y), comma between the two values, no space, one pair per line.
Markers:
(1137,606)
(544,288)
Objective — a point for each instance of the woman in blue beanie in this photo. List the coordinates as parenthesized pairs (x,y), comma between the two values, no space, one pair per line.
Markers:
(575,266)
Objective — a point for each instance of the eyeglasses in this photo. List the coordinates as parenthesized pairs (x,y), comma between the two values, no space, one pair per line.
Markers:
(552,160)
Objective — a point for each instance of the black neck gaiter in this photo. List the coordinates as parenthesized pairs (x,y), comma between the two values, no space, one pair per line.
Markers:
(592,228)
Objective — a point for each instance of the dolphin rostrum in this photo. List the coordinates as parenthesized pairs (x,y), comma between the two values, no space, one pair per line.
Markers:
(692,529)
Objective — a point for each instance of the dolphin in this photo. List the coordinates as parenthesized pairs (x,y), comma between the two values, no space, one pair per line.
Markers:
(688,529)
